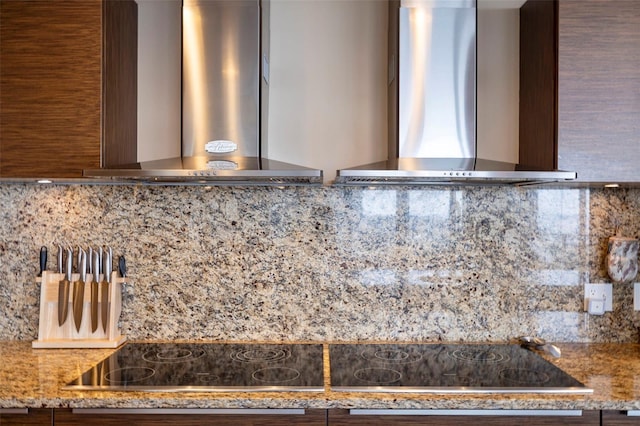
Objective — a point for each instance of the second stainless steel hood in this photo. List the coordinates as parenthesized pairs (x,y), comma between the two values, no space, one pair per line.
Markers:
(225,88)
(432,103)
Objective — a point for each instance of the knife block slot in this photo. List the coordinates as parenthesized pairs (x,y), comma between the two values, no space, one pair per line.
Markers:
(52,335)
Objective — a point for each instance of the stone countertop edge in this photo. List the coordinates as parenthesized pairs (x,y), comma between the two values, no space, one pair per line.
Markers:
(34,378)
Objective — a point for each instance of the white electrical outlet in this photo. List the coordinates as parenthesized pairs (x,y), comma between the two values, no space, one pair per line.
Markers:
(598,292)
(636,296)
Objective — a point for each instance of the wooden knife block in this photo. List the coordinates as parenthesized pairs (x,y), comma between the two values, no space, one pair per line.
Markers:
(51,335)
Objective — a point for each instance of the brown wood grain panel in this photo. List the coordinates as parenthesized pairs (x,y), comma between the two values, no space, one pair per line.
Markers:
(50,86)
(343,418)
(120,69)
(599,89)
(538,84)
(310,418)
(35,417)
(618,418)
(393,136)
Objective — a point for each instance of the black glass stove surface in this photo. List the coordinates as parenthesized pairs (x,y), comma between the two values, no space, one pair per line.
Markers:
(207,367)
(446,368)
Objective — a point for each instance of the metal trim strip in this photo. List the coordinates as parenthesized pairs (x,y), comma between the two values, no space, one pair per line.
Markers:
(208,411)
(458,174)
(197,388)
(14,411)
(454,412)
(463,390)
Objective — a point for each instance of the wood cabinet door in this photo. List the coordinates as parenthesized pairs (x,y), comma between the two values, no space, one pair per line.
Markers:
(449,417)
(26,417)
(579,79)
(598,89)
(195,417)
(50,87)
(64,106)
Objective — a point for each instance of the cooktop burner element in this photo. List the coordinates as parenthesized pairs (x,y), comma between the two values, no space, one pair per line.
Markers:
(391,355)
(261,355)
(446,368)
(207,367)
(173,354)
(480,355)
(378,376)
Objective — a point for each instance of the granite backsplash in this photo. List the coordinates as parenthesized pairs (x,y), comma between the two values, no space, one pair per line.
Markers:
(297,263)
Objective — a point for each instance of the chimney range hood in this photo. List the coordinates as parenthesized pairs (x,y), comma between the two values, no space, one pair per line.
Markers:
(225,73)
(432,104)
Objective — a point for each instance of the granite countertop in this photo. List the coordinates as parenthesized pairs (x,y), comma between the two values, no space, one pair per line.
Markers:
(35,377)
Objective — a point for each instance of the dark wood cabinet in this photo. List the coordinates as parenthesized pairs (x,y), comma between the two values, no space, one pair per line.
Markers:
(449,417)
(26,417)
(579,79)
(314,417)
(620,418)
(539,84)
(68,86)
(195,417)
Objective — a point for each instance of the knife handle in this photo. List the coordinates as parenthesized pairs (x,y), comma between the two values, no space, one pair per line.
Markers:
(82,266)
(110,251)
(60,255)
(69,270)
(122,266)
(106,265)
(96,266)
(43,260)
(90,260)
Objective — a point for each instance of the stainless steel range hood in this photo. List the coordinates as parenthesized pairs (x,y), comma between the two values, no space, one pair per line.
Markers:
(225,73)
(432,103)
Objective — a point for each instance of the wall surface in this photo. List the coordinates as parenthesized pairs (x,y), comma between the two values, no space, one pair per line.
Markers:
(498,83)
(328,83)
(159,79)
(418,264)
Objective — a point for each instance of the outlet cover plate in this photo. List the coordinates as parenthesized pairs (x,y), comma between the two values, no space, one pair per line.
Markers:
(636,296)
(599,291)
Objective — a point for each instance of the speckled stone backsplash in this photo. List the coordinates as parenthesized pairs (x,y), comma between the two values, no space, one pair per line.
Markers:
(410,264)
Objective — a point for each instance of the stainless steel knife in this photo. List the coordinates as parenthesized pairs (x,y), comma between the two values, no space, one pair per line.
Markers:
(94,290)
(78,289)
(63,286)
(104,287)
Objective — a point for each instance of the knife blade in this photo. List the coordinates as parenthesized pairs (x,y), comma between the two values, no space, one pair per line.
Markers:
(104,287)
(94,290)
(63,286)
(78,289)
(43,260)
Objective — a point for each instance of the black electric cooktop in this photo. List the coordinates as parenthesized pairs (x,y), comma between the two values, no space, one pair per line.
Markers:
(422,368)
(207,367)
(446,368)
